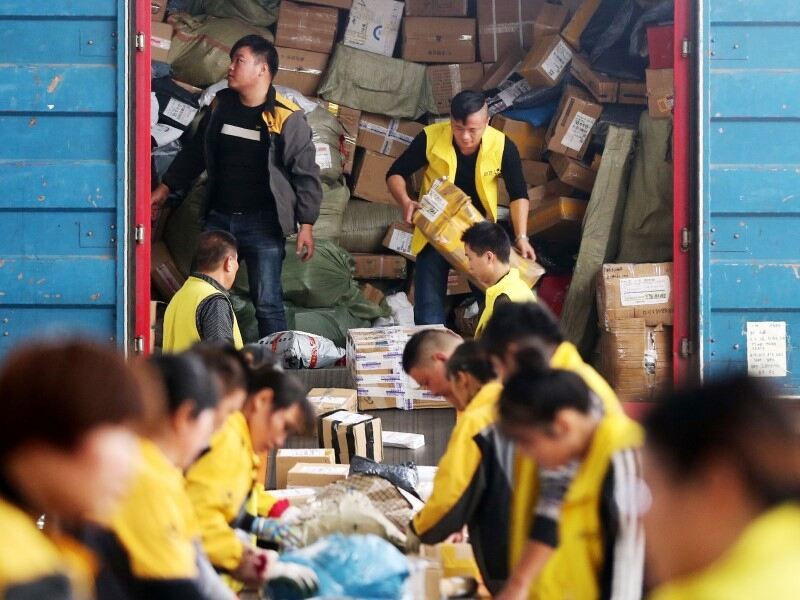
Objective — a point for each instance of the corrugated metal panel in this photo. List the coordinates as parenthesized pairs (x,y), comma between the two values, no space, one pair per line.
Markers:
(750,196)
(62,168)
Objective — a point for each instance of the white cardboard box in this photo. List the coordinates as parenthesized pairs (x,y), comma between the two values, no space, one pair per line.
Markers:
(373,25)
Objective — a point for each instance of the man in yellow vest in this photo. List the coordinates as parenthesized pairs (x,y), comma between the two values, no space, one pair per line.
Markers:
(488,251)
(201,310)
(472,155)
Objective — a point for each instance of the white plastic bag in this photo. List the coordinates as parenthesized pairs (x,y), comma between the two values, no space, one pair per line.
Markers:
(300,350)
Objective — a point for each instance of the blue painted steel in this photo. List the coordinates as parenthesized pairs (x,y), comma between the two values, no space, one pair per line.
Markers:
(750,216)
(62,169)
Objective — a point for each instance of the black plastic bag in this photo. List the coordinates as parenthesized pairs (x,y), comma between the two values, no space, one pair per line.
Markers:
(607,39)
(404,476)
(542,95)
(664,12)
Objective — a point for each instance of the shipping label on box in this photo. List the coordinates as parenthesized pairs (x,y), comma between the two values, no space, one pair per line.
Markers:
(160,41)
(660,93)
(398,238)
(326,400)
(570,132)
(288,458)
(370,178)
(351,434)
(374,25)
(628,291)
(437,8)
(505,25)
(300,70)
(386,135)
(304,475)
(547,62)
(449,80)
(306,27)
(439,40)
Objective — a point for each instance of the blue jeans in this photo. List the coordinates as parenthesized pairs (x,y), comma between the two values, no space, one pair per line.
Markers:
(430,287)
(263,251)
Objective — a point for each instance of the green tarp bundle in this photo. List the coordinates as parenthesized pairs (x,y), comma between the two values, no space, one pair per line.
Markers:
(365,224)
(326,133)
(261,13)
(335,197)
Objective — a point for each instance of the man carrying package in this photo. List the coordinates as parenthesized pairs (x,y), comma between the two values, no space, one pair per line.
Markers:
(472,155)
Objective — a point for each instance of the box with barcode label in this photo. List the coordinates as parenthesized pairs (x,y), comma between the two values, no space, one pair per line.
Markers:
(547,62)
(629,291)
(350,434)
(571,131)
(398,238)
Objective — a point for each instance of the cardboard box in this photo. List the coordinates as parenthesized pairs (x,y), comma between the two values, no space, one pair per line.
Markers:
(660,93)
(297,496)
(374,25)
(398,238)
(573,172)
(343,4)
(628,291)
(288,458)
(557,220)
(164,273)
(301,70)
(547,62)
(306,27)
(550,21)
(437,8)
(505,25)
(536,172)
(552,189)
(661,46)
(160,41)
(530,140)
(579,21)
(349,119)
(326,400)
(158,10)
(370,178)
(386,135)
(379,266)
(399,439)
(632,92)
(604,89)
(449,80)
(571,131)
(315,475)
(374,295)
(439,40)
(351,434)
(457,283)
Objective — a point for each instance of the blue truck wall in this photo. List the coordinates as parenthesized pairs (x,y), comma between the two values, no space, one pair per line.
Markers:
(749,90)
(62,169)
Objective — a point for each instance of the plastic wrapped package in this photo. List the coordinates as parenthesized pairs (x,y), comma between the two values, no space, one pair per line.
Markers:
(322,282)
(300,350)
(364,225)
(257,12)
(358,566)
(335,197)
(164,155)
(402,309)
(403,476)
(332,323)
(327,134)
(298,98)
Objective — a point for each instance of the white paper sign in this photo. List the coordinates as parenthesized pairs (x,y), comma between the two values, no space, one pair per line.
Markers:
(766,348)
(401,241)
(164,134)
(433,205)
(180,111)
(324,158)
(641,291)
(315,452)
(558,60)
(578,132)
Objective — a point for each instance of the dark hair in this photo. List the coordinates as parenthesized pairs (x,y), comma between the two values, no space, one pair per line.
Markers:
(287,392)
(516,322)
(186,379)
(422,343)
(58,392)
(488,237)
(739,419)
(212,248)
(465,104)
(535,393)
(225,362)
(262,49)
(471,358)
(260,355)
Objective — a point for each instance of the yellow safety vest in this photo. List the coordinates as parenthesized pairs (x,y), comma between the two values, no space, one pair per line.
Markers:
(512,286)
(442,161)
(761,564)
(180,319)
(573,571)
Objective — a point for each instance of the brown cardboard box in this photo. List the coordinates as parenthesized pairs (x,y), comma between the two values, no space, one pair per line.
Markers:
(398,238)
(547,62)
(552,189)
(297,496)
(306,27)
(288,458)
(536,172)
(373,26)
(386,135)
(437,8)
(505,25)
(530,140)
(574,173)
(457,283)
(349,119)
(315,475)
(449,80)
(660,92)
(379,266)
(579,21)
(351,434)
(326,400)
(344,4)
(571,131)
(603,88)
(439,40)
(632,92)
(158,9)
(166,277)
(370,178)
(160,41)
(628,291)
(550,20)
(301,70)
(557,220)
(371,293)
(495,74)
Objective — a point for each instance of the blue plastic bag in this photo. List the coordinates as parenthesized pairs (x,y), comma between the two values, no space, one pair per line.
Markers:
(538,117)
(355,566)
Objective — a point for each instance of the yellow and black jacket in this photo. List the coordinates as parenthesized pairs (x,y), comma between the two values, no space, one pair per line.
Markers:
(473,487)
(511,286)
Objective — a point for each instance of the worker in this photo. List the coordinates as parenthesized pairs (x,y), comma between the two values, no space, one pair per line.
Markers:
(230,367)
(222,488)
(488,251)
(151,546)
(472,155)
(201,309)
(537,496)
(722,465)
(550,415)
(425,359)
(263,179)
(66,450)
(472,486)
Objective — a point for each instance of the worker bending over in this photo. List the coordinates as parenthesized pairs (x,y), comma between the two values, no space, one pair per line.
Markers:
(425,359)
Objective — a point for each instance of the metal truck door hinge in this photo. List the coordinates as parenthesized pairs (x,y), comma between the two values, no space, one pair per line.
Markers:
(686,239)
(686,348)
(138,234)
(138,344)
(686,48)
(140,41)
